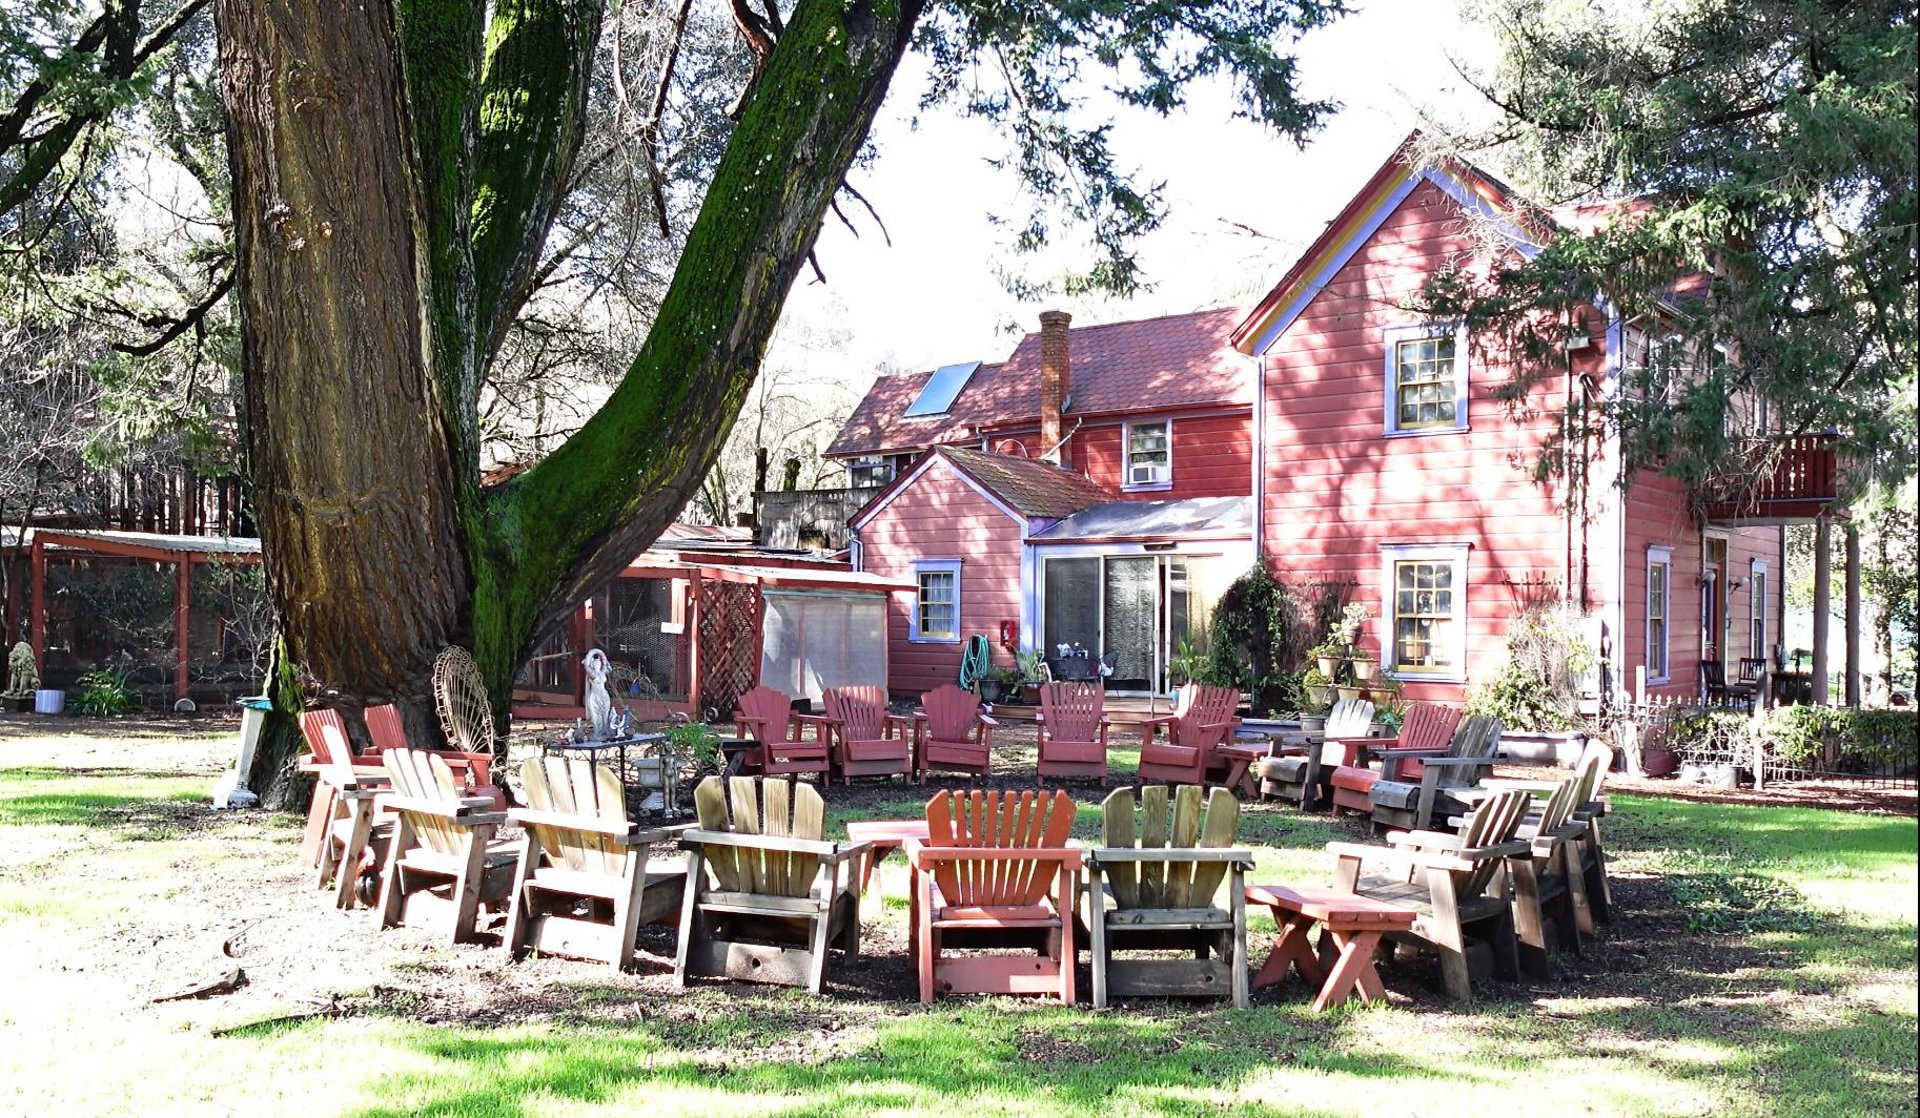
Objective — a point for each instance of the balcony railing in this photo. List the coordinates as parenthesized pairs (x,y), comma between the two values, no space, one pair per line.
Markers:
(1776,480)
(808,517)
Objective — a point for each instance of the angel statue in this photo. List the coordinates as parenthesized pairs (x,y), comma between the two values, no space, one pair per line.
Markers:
(599,704)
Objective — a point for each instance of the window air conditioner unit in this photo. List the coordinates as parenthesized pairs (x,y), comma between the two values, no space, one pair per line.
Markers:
(1143,475)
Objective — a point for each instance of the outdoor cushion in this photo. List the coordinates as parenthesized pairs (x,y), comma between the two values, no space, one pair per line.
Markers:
(1164,753)
(1355,779)
(1397,794)
(1284,769)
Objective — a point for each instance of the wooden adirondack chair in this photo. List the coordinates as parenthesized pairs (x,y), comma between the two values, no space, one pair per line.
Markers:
(1418,788)
(340,819)
(585,884)
(472,770)
(1586,807)
(1203,718)
(1427,729)
(766,893)
(334,766)
(952,735)
(1163,878)
(866,740)
(767,716)
(441,843)
(1459,885)
(1073,731)
(1302,777)
(997,870)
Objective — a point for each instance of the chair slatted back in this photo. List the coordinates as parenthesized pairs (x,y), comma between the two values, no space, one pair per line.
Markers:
(423,775)
(952,714)
(385,728)
(1203,714)
(1429,725)
(766,712)
(1003,820)
(325,733)
(858,713)
(1495,821)
(761,806)
(1167,884)
(1349,718)
(1072,711)
(1591,772)
(1752,668)
(576,786)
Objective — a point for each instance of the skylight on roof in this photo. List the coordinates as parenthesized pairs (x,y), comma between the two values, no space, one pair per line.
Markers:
(941,388)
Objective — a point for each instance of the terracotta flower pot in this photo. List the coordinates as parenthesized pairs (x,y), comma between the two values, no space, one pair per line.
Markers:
(1365,670)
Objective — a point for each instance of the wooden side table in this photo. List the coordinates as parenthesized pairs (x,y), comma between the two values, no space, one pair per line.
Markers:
(1351,930)
(883,836)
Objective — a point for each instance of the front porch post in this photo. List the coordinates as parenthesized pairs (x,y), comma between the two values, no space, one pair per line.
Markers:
(182,599)
(1851,534)
(1822,603)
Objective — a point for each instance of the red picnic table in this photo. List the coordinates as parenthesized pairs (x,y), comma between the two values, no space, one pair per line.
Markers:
(1352,927)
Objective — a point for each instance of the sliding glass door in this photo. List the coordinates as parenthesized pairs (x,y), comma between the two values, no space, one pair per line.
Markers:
(1133,611)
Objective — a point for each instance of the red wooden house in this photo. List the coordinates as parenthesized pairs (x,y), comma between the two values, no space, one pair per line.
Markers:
(1353,440)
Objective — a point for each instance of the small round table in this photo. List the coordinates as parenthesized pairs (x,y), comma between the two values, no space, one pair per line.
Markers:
(1352,927)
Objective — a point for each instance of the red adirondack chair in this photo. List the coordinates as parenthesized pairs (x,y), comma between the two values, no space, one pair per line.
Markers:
(952,735)
(867,741)
(470,769)
(1426,728)
(1202,720)
(1073,731)
(334,765)
(767,716)
(997,870)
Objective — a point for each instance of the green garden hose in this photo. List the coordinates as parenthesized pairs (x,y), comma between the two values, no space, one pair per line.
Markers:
(975,662)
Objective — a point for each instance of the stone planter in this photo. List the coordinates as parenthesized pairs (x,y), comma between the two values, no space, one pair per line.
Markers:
(18,704)
(989,690)
(1313,723)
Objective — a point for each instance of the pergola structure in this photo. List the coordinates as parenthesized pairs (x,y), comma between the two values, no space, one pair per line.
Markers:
(183,553)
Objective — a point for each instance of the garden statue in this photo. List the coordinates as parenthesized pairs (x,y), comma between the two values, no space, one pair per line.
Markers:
(599,705)
(23,676)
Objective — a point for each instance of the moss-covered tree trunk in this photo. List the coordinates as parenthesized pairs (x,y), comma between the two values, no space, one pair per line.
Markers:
(396,165)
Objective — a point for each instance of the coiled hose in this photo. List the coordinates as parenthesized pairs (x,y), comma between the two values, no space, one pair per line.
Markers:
(975,662)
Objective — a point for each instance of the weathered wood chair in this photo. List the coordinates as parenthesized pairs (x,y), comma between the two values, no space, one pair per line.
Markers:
(1073,731)
(1427,729)
(866,740)
(766,893)
(1587,805)
(767,716)
(1416,788)
(585,884)
(1302,777)
(1460,886)
(473,770)
(952,735)
(997,871)
(442,844)
(1163,880)
(344,791)
(1203,718)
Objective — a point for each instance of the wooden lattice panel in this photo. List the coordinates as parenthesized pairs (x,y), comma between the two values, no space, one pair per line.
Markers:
(729,628)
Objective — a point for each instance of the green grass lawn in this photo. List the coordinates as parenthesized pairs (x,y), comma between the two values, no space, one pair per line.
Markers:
(1764,964)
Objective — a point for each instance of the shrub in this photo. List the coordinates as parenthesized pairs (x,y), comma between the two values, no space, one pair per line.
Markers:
(1521,700)
(104,691)
(698,741)
(1804,737)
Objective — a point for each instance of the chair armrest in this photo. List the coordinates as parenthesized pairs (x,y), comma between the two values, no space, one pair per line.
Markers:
(694,837)
(459,811)
(1160,720)
(1457,762)
(987,720)
(1104,855)
(925,857)
(630,833)
(1402,858)
(1433,840)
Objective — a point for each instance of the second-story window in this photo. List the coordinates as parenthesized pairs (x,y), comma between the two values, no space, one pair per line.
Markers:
(866,473)
(1426,379)
(1149,457)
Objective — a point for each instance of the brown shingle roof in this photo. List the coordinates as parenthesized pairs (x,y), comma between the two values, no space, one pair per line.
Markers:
(1030,487)
(1154,364)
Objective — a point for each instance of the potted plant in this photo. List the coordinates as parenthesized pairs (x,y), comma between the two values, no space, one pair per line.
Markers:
(1318,688)
(1000,683)
(1032,673)
(1365,667)
(1327,657)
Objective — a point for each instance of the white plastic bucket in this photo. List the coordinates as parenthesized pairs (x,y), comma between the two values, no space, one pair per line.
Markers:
(49,702)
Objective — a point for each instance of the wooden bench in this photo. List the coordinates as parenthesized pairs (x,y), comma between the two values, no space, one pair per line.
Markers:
(1353,927)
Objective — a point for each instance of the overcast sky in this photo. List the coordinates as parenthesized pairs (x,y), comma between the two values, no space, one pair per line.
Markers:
(932,297)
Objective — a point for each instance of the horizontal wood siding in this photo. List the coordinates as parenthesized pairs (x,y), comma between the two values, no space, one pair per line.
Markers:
(1337,489)
(940,516)
(1658,515)
(1212,457)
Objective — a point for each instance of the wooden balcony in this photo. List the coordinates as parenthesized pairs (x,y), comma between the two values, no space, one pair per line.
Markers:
(1783,480)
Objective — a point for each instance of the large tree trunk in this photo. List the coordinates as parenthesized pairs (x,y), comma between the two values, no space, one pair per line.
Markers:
(393,178)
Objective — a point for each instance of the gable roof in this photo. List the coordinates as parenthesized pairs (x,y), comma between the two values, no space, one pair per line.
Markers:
(1025,487)
(1471,187)
(1150,365)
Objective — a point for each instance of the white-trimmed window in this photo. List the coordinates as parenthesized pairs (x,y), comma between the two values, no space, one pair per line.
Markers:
(1659,611)
(1426,610)
(1148,462)
(1757,610)
(1426,379)
(936,600)
(869,472)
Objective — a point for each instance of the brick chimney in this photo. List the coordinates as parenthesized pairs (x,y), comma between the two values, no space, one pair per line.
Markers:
(1056,382)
